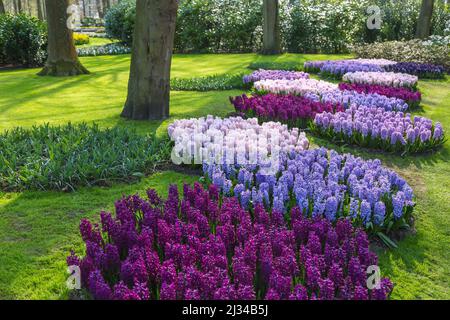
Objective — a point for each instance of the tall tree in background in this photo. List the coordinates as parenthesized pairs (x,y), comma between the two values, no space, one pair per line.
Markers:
(151,60)
(2,7)
(40,9)
(62,56)
(424,23)
(271,27)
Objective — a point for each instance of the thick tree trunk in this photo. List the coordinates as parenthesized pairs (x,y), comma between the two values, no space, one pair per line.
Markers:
(62,55)
(271,27)
(424,23)
(2,7)
(151,60)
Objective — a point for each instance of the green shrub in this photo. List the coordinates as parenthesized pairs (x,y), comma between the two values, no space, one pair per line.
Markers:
(23,40)
(208,83)
(202,25)
(65,157)
(405,51)
(274,65)
(119,21)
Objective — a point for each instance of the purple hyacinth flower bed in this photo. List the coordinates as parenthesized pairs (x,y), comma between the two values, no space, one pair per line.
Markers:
(422,70)
(202,248)
(295,111)
(323,185)
(412,98)
(314,66)
(336,69)
(274,75)
(376,128)
(349,98)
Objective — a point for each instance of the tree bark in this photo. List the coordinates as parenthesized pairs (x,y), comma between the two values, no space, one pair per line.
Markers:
(424,23)
(151,60)
(62,56)
(99,8)
(40,11)
(271,27)
(2,7)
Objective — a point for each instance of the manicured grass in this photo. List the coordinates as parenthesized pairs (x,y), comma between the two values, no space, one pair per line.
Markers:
(37,229)
(97,42)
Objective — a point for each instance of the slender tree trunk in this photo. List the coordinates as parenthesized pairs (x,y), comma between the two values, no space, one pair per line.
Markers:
(271,27)
(99,8)
(2,7)
(40,11)
(424,23)
(151,60)
(62,55)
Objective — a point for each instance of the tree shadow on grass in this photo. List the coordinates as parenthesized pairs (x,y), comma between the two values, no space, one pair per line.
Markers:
(38,229)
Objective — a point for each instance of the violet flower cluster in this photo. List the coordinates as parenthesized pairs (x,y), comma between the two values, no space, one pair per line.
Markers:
(336,69)
(322,184)
(348,98)
(201,248)
(274,75)
(296,111)
(412,98)
(298,87)
(422,70)
(379,129)
(390,79)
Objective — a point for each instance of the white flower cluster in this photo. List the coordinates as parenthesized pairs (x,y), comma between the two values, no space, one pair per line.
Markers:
(298,87)
(234,141)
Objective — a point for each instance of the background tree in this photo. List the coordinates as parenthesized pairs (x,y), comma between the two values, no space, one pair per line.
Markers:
(424,23)
(151,60)
(62,56)
(271,27)
(2,7)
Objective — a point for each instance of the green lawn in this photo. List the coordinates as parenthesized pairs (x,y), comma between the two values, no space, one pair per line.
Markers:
(37,229)
(97,42)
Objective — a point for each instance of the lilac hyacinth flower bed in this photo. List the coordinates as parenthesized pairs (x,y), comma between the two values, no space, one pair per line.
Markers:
(336,69)
(203,248)
(314,66)
(348,98)
(422,70)
(323,184)
(412,98)
(274,75)
(389,79)
(376,128)
(295,111)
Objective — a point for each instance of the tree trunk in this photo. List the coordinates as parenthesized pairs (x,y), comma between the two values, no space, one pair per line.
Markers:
(424,23)
(271,27)
(2,7)
(40,11)
(99,8)
(62,55)
(151,60)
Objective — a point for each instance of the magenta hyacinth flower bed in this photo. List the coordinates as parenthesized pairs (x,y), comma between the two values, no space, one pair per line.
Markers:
(412,98)
(379,129)
(201,248)
(290,109)
(274,75)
